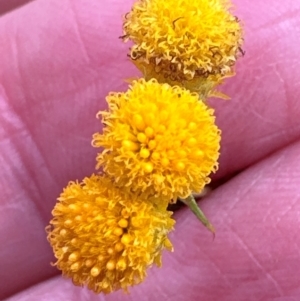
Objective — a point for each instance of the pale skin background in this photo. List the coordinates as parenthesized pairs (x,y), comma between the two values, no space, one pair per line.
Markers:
(58,60)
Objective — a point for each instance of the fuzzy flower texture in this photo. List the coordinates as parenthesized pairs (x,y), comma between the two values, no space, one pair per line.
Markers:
(190,43)
(158,140)
(159,143)
(105,238)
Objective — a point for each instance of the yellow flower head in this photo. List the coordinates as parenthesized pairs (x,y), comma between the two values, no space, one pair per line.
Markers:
(104,238)
(192,43)
(158,140)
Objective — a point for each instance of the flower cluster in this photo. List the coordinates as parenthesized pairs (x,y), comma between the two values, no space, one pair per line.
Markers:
(159,141)
(190,43)
(107,238)
(159,144)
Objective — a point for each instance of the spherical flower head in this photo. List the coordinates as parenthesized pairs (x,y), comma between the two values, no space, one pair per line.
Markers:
(105,238)
(158,140)
(190,43)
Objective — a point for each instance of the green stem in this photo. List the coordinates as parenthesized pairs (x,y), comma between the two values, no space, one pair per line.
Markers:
(192,204)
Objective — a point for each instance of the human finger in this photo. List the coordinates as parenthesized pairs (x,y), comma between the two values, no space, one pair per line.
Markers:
(254,256)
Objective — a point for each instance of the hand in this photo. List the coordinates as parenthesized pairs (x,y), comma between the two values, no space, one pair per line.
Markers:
(58,61)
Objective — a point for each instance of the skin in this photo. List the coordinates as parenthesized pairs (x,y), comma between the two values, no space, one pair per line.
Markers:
(7,6)
(58,60)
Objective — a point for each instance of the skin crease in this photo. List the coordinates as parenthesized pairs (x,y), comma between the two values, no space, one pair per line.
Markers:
(59,59)
(8,5)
